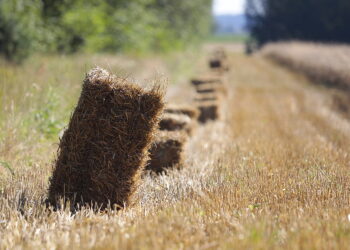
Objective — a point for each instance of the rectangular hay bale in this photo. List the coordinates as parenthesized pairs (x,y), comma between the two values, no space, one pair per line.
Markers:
(188,110)
(215,63)
(205,80)
(219,65)
(167,151)
(218,61)
(206,90)
(176,122)
(206,99)
(105,147)
(209,88)
(208,112)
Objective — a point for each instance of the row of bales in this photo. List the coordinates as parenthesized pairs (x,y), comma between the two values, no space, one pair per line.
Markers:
(120,131)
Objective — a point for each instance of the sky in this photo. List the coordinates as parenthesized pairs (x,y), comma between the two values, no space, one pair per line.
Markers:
(228,7)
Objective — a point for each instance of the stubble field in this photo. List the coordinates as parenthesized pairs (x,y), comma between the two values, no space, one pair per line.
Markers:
(271,174)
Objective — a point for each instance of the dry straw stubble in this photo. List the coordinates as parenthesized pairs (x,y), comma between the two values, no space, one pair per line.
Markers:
(327,64)
(104,149)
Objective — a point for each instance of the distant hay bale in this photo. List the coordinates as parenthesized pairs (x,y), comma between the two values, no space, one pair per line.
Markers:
(215,63)
(218,61)
(167,151)
(211,89)
(206,90)
(176,122)
(104,150)
(218,64)
(207,99)
(205,80)
(208,112)
(188,110)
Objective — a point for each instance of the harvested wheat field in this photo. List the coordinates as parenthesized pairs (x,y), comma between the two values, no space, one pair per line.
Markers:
(325,63)
(271,173)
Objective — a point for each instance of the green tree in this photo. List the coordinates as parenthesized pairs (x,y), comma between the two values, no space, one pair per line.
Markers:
(21,28)
(313,20)
(100,25)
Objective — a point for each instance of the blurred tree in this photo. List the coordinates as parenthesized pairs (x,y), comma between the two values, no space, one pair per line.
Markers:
(21,28)
(188,20)
(100,25)
(313,20)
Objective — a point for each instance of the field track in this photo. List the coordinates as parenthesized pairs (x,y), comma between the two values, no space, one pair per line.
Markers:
(272,173)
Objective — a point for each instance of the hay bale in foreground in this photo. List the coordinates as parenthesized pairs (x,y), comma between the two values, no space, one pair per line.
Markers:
(167,151)
(208,112)
(190,111)
(176,122)
(104,150)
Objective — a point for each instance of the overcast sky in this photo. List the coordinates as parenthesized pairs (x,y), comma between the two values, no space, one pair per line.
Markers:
(228,7)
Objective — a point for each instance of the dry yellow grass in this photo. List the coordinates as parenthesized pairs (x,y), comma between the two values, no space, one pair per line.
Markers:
(272,174)
(326,64)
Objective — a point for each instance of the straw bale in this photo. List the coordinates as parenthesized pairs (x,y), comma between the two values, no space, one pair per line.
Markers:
(167,151)
(205,80)
(220,65)
(209,88)
(208,112)
(206,90)
(188,110)
(176,122)
(210,98)
(215,63)
(105,147)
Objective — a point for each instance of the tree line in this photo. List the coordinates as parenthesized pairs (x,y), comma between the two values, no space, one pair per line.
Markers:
(28,26)
(309,20)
